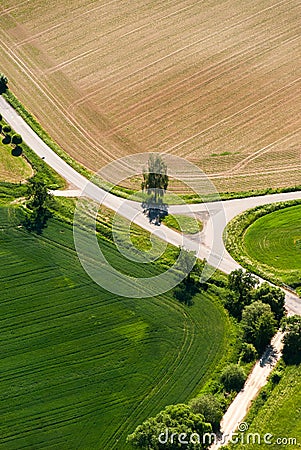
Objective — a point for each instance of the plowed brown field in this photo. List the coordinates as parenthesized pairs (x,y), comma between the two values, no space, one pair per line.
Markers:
(215,81)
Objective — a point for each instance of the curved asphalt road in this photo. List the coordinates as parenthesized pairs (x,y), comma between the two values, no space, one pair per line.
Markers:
(220,213)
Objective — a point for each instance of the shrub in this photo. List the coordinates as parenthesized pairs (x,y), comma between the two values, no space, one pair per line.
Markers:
(6,129)
(16,139)
(233,378)
(210,407)
(248,352)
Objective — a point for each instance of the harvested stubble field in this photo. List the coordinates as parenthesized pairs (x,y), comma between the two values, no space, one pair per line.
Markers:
(217,82)
(81,367)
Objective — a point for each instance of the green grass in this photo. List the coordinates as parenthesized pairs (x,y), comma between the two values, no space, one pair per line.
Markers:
(12,169)
(184,224)
(265,240)
(275,241)
(280,414)
(81,367)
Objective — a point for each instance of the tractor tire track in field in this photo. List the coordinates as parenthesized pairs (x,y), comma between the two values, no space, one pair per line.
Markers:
(94,51)
(60,107)
(9,10)
(189,337)
(178,86)
(199,41)
(242,164)
(237,113)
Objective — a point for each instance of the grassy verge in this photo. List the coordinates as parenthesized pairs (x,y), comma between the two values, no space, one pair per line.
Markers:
(257,257)
(12,168)
(34,124)
(118,190)
(184,224)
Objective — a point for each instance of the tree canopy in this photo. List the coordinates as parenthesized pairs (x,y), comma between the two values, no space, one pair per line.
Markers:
(210,407)
(38,203)
(241,285)
(233,377)
(176,427)
(155,183)
(273,296)
(258,324)
(292,340)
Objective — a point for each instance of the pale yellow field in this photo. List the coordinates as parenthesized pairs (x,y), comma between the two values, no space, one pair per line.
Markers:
(215,81)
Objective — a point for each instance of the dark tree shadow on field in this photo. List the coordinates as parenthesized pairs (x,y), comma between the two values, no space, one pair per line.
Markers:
(37,220)
(155,211)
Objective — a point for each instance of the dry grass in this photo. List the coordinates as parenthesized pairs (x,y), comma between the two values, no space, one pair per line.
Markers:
(13,169)
(217,82)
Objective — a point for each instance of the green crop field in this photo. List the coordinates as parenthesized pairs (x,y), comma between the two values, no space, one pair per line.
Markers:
(81,367)
(12,168)
(274,240)
(280,416)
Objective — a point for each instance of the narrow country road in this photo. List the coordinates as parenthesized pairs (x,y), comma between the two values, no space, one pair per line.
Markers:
(220,213)
(256,380)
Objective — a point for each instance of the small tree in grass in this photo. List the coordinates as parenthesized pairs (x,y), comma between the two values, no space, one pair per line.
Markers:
(6,140)
(6,129)
(16,139)
(154,184)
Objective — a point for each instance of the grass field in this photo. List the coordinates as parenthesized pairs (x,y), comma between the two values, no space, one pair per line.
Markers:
(265,240)
(280,415)
(217,82)
(80,367)
(13,169)
(184,224)
(274,241)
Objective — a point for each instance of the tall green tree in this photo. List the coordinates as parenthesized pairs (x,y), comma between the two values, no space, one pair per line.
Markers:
(3,83)
(258,324)
(241,285)
(154,184)
(233,377)
(273,296)
(174,428)
(38,203)
(292,340)
(210,407)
